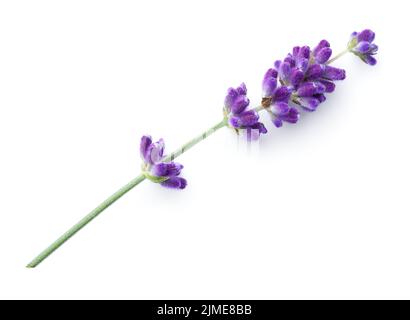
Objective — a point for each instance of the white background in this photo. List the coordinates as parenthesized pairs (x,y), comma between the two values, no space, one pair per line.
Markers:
(317,210)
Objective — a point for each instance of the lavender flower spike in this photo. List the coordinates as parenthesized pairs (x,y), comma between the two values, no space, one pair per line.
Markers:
(298,82)
(155,169)
(308,76)
(361,44)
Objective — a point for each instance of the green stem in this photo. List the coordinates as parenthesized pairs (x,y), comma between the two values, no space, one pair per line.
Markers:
(341,54)
(87,219)
(109,201)
(195,140)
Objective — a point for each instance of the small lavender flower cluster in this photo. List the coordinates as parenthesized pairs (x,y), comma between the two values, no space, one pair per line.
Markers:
(240,117)
(361,44)
(154,167)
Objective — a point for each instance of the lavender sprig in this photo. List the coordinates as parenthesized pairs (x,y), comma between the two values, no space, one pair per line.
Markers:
(299,82)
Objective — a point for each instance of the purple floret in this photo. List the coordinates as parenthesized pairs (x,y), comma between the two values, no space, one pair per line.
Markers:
(165,173)
(361,44)
(240,117)
(276,96)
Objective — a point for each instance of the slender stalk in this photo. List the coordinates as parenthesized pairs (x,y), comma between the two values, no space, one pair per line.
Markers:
(341,54)
(109,201)
(83,222)
(195,140)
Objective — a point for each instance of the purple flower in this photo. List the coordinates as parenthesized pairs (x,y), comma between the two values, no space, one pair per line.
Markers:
(306,73)
(154,169)
(322,52)
(309,89)
(151,152)
(290,116)
(239,116)
(276,99)
(361,44)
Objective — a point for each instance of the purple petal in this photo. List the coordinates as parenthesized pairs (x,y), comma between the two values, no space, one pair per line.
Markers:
(175,183)
(320,97)
(306,90)
(277,122)
(235,122)
(304,52)
(292,116)
(309,89)
(248,118)
(310,104)
(245,119)
(271,73)
(254,132)
(284,71)
(366,35)
(145,143)
(296,77)
(280,108)
(282,94)
(289,59)
(329,86)
(155,152)
(370,60)
(167,169)
(303,64)
(320,88)
(159,170)
(363,47)
(269,83)
(239,104)
(268,87)
(323,55)
(230,97)
(315,71)
(242,89)
(259,126)
(373,48)
(174,168)
(322,44)
(236,100)
(333,73)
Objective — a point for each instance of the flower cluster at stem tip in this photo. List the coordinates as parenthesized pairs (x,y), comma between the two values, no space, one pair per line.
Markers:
(297,83)
(361,44)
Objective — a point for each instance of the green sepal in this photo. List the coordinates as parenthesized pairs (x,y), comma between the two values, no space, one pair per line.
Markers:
(352,43)
(154,179)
